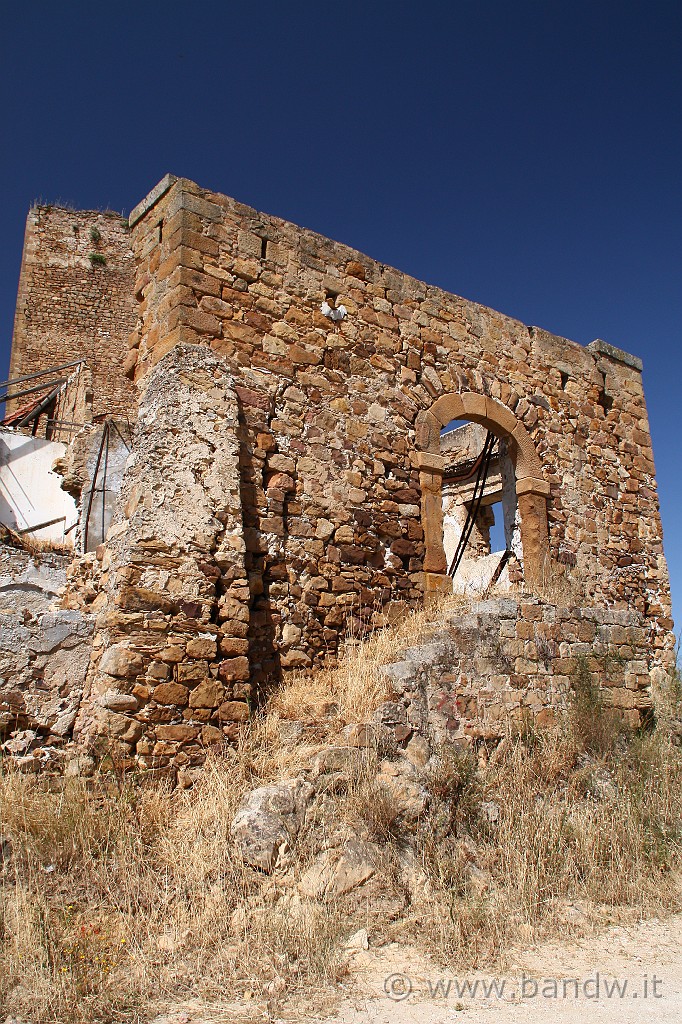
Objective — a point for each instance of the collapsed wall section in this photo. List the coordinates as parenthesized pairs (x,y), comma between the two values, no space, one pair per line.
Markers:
(75,301)
(169,672)
(44,650)
(331,492)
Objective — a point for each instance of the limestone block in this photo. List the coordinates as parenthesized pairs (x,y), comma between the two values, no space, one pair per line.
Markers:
(207,694)
(120,661)
(171,693)
(337,759)
(113,700)
(233,646)
(447,408)
(201,647)
(399,780)
(177,733)
(234,669)
(119,726)
(269,819)
(234,711)
(338,871)
(365,734)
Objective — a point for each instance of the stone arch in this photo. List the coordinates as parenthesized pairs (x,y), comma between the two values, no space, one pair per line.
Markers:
(531,487)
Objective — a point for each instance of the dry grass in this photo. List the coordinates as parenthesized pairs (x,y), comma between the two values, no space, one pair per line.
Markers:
(118,898)
(353,689)
(579,840)
(33,545)
(667,692)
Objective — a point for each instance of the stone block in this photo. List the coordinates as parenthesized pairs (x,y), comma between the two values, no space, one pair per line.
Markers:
(207,694)
(171,693)
(121,662)
(192,671)
(234,669)
(201,647)
(177,733)
(234,711)
(447,408)
(120,727)
(232,646)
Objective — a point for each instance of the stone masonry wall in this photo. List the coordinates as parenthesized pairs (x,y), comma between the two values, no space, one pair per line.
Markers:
(330,487)
(506,663)
(69,307)
(169,672)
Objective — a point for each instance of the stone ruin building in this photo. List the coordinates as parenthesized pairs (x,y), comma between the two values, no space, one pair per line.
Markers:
(228,441)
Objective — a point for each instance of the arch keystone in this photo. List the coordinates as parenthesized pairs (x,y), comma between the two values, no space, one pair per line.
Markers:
(475,407)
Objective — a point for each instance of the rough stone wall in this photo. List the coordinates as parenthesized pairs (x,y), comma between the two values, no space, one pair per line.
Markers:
(170,672)
(70,308)
(44,648)
(283,472)
(505,663)
(328,408)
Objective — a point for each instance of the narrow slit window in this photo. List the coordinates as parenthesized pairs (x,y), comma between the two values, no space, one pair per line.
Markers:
(605,399)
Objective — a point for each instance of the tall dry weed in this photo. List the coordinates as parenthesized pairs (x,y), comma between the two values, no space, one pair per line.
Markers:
(601,833)
(114,897)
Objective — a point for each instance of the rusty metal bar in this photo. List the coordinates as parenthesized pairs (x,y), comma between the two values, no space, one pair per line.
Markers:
(39,409)
(40,373)
(31,391)
(41,526)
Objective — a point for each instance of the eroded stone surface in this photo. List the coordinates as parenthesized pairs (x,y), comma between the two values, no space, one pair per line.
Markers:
(339,870)
(269,818)
(44,649)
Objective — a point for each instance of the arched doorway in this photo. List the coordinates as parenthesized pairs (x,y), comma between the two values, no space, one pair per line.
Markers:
(531,488)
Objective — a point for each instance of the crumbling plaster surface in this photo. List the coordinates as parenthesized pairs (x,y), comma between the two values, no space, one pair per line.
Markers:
(170,652)
(92,470)
(44,648)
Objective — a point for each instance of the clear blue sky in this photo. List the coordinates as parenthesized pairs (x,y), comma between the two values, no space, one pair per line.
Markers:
(526,155)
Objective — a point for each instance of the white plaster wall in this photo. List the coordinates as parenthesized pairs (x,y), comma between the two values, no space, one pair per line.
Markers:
(475,575)
(30,492)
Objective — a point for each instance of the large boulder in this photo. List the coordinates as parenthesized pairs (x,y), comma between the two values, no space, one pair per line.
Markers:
(269,819)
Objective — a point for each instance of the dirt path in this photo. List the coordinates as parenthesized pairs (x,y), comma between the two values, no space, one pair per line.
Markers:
(645,962)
